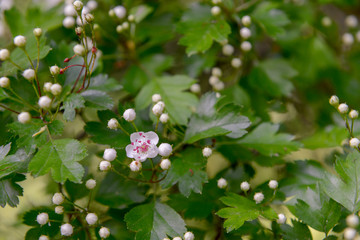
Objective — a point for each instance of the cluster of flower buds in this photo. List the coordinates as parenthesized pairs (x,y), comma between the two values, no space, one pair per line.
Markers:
(352,221)
(78,13)
(245,34)
(216,10)
(158,108)
(119,13)
(348,38)
(108,156)
(215,81)
(187,236)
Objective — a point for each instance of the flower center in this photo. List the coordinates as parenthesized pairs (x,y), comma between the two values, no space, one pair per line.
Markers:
(142,146)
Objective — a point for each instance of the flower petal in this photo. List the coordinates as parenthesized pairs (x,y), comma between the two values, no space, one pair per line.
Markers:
(135,136)
(153,137)
(130,151)
(152,152)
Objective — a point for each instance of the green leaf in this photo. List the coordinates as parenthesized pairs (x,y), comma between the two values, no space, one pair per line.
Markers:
(299,231)
(171,88)
(97,99)
(200,29)
(154,221)
(140,12)
(187,171)
(265,140)
(331,136)
(209,121)
(10,190)
(102,82)
(72,102)
(14,163)
(344,189)
(61,157)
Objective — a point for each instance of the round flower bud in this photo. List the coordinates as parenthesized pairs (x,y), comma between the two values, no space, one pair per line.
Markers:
(92,5)
(78,5)
(195,88)
(245,33)
(273,184)
(222,183)
(246,46)
(111,13)
(69,10)
(29,74)
(348,39)
(66,229)
(165,149)
(43,237)
(213,80)
(135,166)
(164,118)
(56,89)
(236,62)
(59,209)
(120,12)
(246,21)
(44,102)
(54,70)
(37,32)
(206,152)
(104,232)
(156,98)
(90,184)
(131,18)
(343,108)
(91,218)
(157,109)
(351,21)
(20,41)
(189,236)
(24,117)
(4,54)
(125,25)
(113,124)
(58,198)
(245,186)
(68,22)
(353,114)
(281,218)
(215,11)
(326,21)
(47,86)
(4,82)
(79,50)
(334,100)
(165,164)
(354,142)
(129,115)
(349,233)
(89,17)
(258,197)
(177,238)
(42,218)
(227,50)
(219,86)
(352,220)
(104,165)
(216,72)
(119,29)
(109,154)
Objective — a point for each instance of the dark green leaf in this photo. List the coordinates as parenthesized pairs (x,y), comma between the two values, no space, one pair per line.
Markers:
(97,99)
(10,190)
(102,82)
(299,231)
(140,12)
(72,102)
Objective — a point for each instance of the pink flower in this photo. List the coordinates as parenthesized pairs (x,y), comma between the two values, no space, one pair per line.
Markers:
(143,146)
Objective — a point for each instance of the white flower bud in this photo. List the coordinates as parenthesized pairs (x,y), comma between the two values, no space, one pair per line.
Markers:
(91,218)
(135,166)
(37,32)
(213,80)
(216,1)
(104,232)
(177,238)
(29,74)
(20,41)
(4,54)
(246,21)
(79,22)
(246,46)
(351,21)
(92,5)
(245,186)
(78,5)
(217,95)
(129,115)
(59,209)
(58,198)
(42,218)
(111,13)
(189,236)
(206,152)
(90,184)
(109,154)
(219,86)
(165,149)
(245,33)
(166,238)
(326,21)
(343,108)
(236,62)
(131,18)
(195,88)
(120,12)
(56,89)
(165,164)
(348,39)
(349,233)
(281,218)
(125,25)
(164,118)
(43,237)
(68,22)
(24,117)
(334,100)
(352,220)
(44,102)
(222,183)
(69,10)
(54,70)
(66,229)
(354,142)
(89,17)
(113,124)
(215,11)
(47,86)
(158,109)
(104,165)
(215,71)
(227,50)
(156,98)
(79,50)
(4,82)
(273,184)
(258,197)
(119,29)
(353,114)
